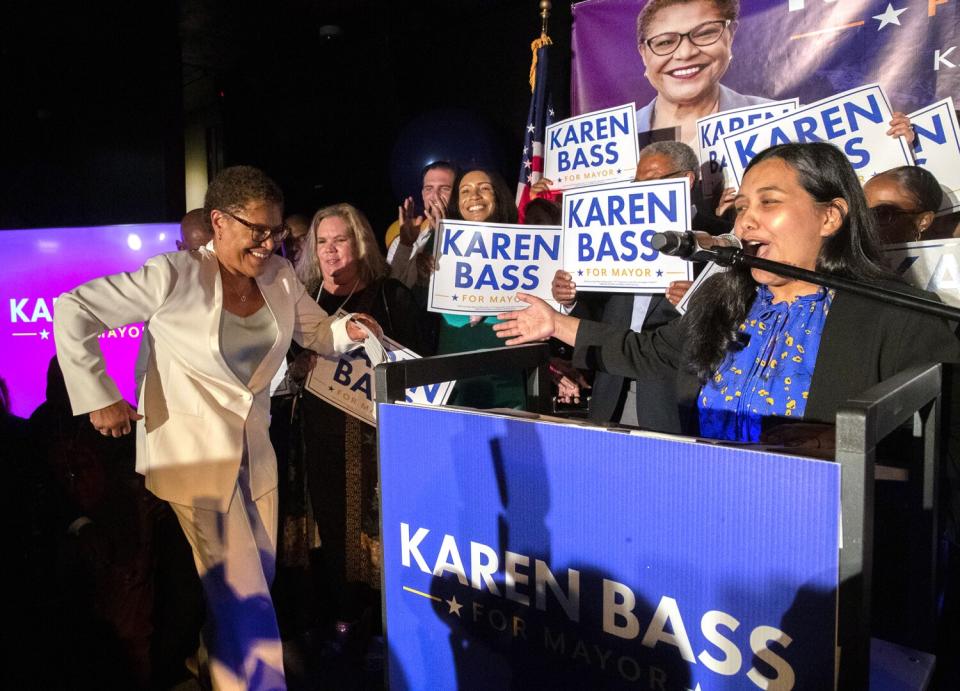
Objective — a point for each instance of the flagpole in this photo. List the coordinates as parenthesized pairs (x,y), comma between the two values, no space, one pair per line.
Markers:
(545,7)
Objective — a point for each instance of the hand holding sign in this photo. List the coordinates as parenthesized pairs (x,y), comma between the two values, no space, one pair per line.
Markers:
(900,127)
(563,288)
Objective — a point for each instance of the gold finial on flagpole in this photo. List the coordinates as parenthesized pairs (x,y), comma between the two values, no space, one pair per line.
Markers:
(544,40)
(545,7)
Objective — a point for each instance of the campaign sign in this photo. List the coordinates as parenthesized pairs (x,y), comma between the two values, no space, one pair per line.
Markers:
(608,230)
(482,266)
(710,131)
(346,382)
(932,265)
(530,555)
(937,147)
(856,121)
(40,264)
(593,148)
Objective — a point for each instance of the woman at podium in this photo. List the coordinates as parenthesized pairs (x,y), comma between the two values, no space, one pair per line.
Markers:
(764,347)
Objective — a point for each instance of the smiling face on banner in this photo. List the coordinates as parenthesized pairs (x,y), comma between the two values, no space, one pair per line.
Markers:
(691,73)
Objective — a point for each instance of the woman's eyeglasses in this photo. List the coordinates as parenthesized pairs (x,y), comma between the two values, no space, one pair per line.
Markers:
(261,232)
(886,214)
(705,34)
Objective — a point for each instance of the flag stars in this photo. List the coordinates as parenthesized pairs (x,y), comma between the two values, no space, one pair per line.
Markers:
(532,129)
(890,16)
(550,112)
(527,163)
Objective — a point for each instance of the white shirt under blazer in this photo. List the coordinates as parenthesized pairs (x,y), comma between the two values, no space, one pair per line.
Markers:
(196,411)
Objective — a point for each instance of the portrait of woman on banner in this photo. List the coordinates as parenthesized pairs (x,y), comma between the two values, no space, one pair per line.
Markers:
(686,47)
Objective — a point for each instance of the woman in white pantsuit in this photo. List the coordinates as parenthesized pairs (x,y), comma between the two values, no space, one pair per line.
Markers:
(220,320)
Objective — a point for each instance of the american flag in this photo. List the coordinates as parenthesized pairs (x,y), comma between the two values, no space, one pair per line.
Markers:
(540,115)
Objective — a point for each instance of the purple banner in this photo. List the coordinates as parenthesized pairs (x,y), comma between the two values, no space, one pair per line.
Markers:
(778,49)
(43,263)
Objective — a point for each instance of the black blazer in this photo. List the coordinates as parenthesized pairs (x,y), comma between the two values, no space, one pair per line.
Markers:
(609,390)
(864,342)
(656,384)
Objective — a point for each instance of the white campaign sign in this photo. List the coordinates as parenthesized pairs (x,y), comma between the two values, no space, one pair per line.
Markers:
(856,121)
(937,147)
(607,233)
(593,148)
(932,265)
(710,132)
(482,266)
(346,382)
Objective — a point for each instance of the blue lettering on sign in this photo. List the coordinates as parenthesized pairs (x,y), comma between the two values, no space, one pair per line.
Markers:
(596,155)
(342,375)
(642,207)
(937,136)
(594,130)
(711,132)
(507,246)
(430,392)
(616,248)
(832,123)
(510,277)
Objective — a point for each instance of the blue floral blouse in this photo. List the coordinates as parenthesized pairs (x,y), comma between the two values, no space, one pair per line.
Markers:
(769,373)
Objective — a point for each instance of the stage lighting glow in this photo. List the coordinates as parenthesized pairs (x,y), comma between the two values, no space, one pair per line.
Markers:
(42,263)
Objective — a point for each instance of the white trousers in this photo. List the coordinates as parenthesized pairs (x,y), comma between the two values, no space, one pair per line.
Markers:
(235,553)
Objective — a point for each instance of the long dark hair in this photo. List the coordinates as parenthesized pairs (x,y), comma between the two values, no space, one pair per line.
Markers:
(920,184)
(719,307)
(506,211)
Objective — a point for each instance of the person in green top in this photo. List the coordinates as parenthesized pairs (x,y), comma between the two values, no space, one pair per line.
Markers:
(480,195)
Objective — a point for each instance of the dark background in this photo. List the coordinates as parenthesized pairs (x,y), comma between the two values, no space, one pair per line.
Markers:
(338,100)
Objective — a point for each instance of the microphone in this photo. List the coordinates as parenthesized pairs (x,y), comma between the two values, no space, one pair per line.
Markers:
(693,245)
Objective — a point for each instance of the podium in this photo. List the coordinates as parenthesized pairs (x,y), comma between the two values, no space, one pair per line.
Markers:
(523,553)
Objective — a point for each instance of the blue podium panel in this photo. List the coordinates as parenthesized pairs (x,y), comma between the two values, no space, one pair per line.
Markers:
(529,555)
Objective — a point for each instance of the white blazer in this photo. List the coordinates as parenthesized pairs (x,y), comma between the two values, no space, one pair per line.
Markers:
(196,412)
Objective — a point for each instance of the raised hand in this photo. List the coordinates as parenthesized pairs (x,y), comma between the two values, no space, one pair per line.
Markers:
(540,187)
(410,223)
(726,201)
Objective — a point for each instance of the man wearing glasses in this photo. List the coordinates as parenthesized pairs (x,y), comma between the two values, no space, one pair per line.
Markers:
(686,48)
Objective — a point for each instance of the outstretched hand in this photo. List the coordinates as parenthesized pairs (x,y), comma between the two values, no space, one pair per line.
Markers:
(535,323)
(114,420)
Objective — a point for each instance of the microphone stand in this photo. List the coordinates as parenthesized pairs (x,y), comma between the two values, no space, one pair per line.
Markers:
(733,256)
